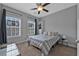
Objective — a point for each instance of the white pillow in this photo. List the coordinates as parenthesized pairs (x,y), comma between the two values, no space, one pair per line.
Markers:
(45,33)
(55,33)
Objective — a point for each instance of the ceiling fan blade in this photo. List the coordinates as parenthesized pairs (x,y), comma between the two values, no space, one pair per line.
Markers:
(33,8)
(38,12)
(38,4)
(45,10)
(45,4)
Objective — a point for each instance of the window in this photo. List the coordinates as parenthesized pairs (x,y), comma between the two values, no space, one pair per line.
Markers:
(31,27)
(13,25)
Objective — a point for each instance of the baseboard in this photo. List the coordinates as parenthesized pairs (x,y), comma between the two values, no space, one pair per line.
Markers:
(70,45)
(20,42)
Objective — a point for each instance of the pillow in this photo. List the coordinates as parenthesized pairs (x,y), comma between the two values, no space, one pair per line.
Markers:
(51,34)
(45,33)
(55,33)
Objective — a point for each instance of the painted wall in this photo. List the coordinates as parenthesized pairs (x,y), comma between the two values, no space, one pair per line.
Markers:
(64,22)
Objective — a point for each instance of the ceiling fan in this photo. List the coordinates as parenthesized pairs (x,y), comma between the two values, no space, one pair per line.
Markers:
(40,7)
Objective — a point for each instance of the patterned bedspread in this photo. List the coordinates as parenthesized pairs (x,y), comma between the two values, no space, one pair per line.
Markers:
(43,42)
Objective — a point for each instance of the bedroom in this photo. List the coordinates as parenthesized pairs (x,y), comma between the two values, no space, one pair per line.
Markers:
(60,20)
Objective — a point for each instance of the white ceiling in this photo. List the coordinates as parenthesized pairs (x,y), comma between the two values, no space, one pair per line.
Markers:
(25,7)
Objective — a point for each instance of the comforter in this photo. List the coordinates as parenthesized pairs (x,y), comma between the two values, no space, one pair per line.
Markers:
(43,42)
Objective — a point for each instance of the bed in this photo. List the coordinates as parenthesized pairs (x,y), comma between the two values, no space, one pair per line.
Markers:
(44,42)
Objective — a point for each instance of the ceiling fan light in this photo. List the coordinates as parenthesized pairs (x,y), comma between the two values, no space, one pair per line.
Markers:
(40,8)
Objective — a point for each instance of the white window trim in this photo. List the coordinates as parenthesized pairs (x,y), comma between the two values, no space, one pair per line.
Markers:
(16,27)
(32,23)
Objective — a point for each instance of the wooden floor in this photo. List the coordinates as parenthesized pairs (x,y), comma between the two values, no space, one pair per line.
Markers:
(59,50)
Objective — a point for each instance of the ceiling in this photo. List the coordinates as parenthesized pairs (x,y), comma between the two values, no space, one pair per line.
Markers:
(26,7)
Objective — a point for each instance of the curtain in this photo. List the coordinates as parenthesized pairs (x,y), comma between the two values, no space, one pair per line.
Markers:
(0,26)
(36,31)
(3,27)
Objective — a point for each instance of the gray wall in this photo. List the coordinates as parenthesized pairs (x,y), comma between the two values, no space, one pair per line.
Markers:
(24,31)
(64,22)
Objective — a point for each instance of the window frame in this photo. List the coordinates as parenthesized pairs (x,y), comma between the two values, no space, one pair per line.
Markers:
(31,28)
(19,27)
